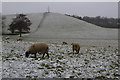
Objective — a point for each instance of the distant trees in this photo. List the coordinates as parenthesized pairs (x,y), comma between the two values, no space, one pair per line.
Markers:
(20,23)
(75,16)
(3,23)
(100,21)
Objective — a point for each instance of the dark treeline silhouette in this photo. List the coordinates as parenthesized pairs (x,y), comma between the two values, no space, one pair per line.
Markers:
(100,21)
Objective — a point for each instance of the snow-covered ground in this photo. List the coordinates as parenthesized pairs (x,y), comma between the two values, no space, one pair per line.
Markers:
(91,62)
(98,56)
(0,59)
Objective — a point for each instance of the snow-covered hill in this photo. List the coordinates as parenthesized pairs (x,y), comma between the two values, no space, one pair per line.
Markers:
(55,25)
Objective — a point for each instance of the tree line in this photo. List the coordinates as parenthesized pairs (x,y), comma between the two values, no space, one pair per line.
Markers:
(100,21)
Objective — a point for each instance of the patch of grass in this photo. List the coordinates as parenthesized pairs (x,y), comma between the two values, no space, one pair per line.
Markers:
(60,57)
(100,77)
(8,56)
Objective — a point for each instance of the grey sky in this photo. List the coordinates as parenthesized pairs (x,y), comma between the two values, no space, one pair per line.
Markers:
(0,6)
(106,9)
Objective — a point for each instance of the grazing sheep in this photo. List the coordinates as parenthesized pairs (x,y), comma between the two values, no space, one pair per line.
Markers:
(37,48)
(64,43)
(19,39)
(75,47)
(109,46)
(7,38)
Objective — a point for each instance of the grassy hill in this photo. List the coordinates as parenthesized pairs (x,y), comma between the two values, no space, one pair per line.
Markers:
(55,25)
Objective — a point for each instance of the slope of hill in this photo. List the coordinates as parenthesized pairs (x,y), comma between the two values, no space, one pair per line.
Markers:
(59,26)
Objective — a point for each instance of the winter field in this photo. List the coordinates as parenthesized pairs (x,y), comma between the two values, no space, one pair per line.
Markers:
(93,61)
(98,57)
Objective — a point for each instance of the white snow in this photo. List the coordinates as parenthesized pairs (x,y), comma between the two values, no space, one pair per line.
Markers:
(91,62)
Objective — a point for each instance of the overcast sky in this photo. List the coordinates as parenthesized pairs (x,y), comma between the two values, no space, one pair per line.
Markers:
(106,9)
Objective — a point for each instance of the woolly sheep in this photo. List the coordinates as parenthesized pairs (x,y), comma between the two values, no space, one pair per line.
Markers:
(64,43)
(7,38)
(19,39)
(37,48)
(75,47)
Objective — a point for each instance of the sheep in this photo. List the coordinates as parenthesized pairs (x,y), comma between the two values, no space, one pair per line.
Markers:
(19,39)
(37,48)
(109,46)
(7,38)
(64,43)
(75,47)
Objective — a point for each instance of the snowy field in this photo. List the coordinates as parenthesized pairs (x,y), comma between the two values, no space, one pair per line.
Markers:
(0,59)
(98,57)
(91,62)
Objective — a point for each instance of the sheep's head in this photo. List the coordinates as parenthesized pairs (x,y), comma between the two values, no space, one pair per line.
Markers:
(64,43)
(71,43)
(27,53)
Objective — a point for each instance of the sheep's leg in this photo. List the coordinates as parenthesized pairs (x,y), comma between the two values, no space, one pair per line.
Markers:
(77,51)
(47,55)
(27,54)
(35,55)
(43,55)
(73,51)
